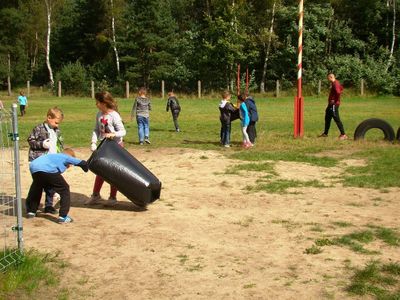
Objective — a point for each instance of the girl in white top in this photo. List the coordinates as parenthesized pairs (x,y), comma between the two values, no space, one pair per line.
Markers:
(108,125)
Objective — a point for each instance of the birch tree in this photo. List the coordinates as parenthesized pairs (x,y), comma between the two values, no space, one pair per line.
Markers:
(48,35)
(114,42)
(267,49)
(393,3)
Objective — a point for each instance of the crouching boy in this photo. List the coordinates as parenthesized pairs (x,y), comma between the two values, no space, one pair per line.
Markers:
(46,173)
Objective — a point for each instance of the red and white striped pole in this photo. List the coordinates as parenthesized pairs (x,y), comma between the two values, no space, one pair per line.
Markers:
(299,100)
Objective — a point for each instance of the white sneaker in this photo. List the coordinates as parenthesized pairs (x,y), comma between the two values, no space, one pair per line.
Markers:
(111,202)
(94,199)
(56,199)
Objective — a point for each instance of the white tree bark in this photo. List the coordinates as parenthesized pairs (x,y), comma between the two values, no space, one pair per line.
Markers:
(390,61)
(113,36)
(9,75)
(271,30)
(48,11)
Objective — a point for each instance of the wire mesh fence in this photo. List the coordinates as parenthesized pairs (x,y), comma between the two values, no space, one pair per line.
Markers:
(11,242)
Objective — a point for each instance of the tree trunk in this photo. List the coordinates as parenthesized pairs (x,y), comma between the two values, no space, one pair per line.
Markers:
(113,36)
(264,71)
(9,75)
(48,9)
(390,61)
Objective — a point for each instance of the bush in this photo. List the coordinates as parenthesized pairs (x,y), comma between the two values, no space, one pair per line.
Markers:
(74,79)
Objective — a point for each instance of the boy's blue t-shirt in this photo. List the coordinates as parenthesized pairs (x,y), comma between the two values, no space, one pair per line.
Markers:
(22,100)
(53,163)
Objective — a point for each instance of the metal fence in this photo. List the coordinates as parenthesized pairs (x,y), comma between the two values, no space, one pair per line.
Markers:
(11,241)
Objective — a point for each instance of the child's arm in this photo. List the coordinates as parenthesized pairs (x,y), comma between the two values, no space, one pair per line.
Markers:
(119,126)
(36,139)
(167,108)
(133,112)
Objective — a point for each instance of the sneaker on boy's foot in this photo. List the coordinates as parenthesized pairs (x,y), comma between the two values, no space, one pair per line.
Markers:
(146,139)
(227,146)
(30,215)
(111,201)
(64,220)
(141,143)
(50,210)
(323,135)
(178,130)
(343,137)
(94,199)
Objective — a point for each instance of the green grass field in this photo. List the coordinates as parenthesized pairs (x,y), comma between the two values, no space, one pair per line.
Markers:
(199,121)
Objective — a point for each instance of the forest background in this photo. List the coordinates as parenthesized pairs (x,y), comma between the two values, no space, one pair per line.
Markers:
(183,41)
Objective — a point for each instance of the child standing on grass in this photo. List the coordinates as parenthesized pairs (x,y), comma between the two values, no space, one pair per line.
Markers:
(46,138)
(23,102)
(245,121)
(108,125)
(173,104)
(141,110)
(226,109)
(46,173)
(253,114)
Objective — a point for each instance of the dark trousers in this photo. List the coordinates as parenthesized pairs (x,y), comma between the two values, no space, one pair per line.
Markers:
(22,109)
(225,133)
(251,131)
(175,115)
(332,111)
(42,180)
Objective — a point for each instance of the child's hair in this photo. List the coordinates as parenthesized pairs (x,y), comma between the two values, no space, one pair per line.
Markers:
(171,93)
(55,113)
(142,91)
(107,99)
(21,92)
(241,97)
(69,152)
(225,94)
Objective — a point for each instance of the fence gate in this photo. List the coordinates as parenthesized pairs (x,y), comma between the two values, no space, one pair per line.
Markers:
(11,241)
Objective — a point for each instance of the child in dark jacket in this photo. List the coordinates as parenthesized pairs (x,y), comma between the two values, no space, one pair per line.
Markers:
(226,109)
(46,138)
(251,128)
(47,172)
(173,104)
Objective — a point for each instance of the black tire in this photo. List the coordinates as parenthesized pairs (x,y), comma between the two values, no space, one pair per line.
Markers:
(398,135)
(368,124)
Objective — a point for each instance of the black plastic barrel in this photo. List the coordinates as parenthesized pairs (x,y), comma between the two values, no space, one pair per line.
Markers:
(120,169)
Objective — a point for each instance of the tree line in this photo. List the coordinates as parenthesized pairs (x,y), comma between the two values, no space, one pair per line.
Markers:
(183,41)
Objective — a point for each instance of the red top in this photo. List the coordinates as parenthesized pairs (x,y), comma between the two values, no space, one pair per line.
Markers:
(334,95)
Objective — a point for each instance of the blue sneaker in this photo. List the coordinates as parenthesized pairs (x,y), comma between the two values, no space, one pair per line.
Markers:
(65,220)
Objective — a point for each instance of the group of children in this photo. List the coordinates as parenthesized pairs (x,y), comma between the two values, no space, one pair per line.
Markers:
(48,158)
(246,110)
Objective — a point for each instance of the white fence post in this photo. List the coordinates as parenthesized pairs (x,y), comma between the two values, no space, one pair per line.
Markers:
(199,88)
(59,89)
(127,89)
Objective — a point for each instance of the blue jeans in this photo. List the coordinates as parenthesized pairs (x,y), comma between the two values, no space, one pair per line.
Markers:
(225,133)
(143,127)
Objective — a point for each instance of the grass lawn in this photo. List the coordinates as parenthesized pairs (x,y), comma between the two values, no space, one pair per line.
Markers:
(199,121)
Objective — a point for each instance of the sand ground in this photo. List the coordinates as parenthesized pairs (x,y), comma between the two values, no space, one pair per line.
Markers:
(208,237)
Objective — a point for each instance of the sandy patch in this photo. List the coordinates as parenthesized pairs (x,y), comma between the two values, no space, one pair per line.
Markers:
(209,238)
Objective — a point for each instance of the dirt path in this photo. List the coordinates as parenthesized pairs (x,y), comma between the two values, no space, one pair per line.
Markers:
(207,237)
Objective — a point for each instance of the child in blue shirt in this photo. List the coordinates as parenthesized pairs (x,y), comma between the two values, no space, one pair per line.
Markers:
(46,172)
(245,121)
(23,102)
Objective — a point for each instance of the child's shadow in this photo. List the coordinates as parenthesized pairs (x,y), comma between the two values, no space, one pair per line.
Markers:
(79,200)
